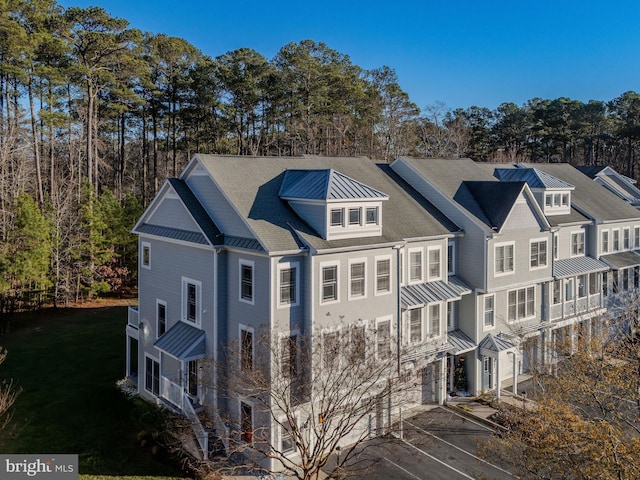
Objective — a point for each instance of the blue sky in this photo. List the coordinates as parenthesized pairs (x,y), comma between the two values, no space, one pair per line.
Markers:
(461,53)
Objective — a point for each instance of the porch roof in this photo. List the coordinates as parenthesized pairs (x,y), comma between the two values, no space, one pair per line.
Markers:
(460,342)
(621,260)
(493,344)
(182,341)
(421,294)
(570,267)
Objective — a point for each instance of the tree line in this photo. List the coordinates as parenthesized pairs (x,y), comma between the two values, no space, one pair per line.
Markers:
(95,114)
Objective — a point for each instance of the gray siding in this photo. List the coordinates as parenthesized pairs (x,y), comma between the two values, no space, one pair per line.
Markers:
(216,204)
(171,213)
(314,215)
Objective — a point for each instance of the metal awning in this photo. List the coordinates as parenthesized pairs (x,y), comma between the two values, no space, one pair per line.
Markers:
(421,294)
(182,341)
(621,260)
(460,343)
(570,267)
(492,345)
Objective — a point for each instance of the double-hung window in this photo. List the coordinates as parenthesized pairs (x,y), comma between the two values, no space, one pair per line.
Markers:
(538,253)
(383,339)
(636,237)
(355,216)
(616,240)
(577,243)
(246,348)
(357,283)
(434,320)
(626,239)
(489,311)
(290,357)
(246,281)
(146,255)
(191,300)
(605,241)
(504,258)
(434,263)
(152,376)
(337,217)
(246,422)
(521,303)
(372,215)
(288,288)
(330,283)
(161,320)
(383,275)
(415,265)
(415,325)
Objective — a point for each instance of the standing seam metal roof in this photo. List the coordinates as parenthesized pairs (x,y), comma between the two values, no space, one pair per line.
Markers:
(325,184)
(535,178)
(182,341)
(569,267)
(424,293)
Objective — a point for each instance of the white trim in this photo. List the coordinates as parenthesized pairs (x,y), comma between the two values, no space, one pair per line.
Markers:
(513,258)
(430,334)
(284,420)
(626,230)
(613,245)
(144,380)
(250,404)
(248,263)
(166,327)
(287,266)
(486,327)
(184,313)
(377,259)
(351,262)
(246,328)
(439,276)
(602,232)
(324,265)
(451,258)
(378,321)
(408,340)
(144,264)
(410,280)
(538,241)
(584,246)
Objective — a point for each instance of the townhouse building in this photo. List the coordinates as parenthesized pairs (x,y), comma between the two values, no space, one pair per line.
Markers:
(469,273)
(308,247)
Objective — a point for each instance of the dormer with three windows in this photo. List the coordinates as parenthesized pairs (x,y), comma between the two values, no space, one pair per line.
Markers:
(335,205)
(552,194)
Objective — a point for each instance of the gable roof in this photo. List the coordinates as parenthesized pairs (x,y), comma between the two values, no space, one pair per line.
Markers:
(199,214)
(325,184)
(532,176)
(495,200)
(252,185)
(598,203)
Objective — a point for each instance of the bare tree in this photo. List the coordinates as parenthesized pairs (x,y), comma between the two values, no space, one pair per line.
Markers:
(308,405)
(8,394)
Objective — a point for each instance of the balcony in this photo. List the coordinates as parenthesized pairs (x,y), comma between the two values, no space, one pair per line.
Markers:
(591,304)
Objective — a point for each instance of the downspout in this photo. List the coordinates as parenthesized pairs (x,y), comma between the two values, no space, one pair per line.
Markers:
(398,248)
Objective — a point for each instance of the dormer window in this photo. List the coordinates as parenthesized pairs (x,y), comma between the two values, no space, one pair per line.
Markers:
(336,206)
(337,217)
(355,215)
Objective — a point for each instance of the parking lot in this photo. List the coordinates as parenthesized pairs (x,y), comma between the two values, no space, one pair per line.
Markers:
(437,444)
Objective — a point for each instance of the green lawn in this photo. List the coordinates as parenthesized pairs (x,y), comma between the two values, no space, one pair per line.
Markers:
(67,363)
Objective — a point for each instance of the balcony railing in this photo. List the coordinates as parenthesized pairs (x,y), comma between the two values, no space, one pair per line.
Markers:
(577,306)
(132,317)
(172,392)
(201,434)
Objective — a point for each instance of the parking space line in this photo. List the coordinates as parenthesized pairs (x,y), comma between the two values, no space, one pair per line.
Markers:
(437,459)
(401,468)
(458,448)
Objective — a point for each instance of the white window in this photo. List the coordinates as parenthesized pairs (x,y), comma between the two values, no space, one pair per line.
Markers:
(555,247)
(415,325)
(161,317)
(372,215)
(358,344)
(288,284)
(246,286)
(434,263)
(504,258)
(636,237)
(287,444)
(329,281)
(451,316)
(337,217)
(565,199)
(146,255)
(152,375)
(451,259)
(434,320)
(383,339)
(415,265)
(605,241)
(246,348)
(577,243)
(355,216)
(556,200)
(557,292)
(191,300)
(548,200)
(331,349)
(489,311)
(521,303)
(616,240)
(626,239)
(383,275)
(357,278)
(538,253)
(290,360)
(246,422)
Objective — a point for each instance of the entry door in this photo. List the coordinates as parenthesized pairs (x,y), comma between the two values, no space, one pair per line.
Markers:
(428,384)
(487,373)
